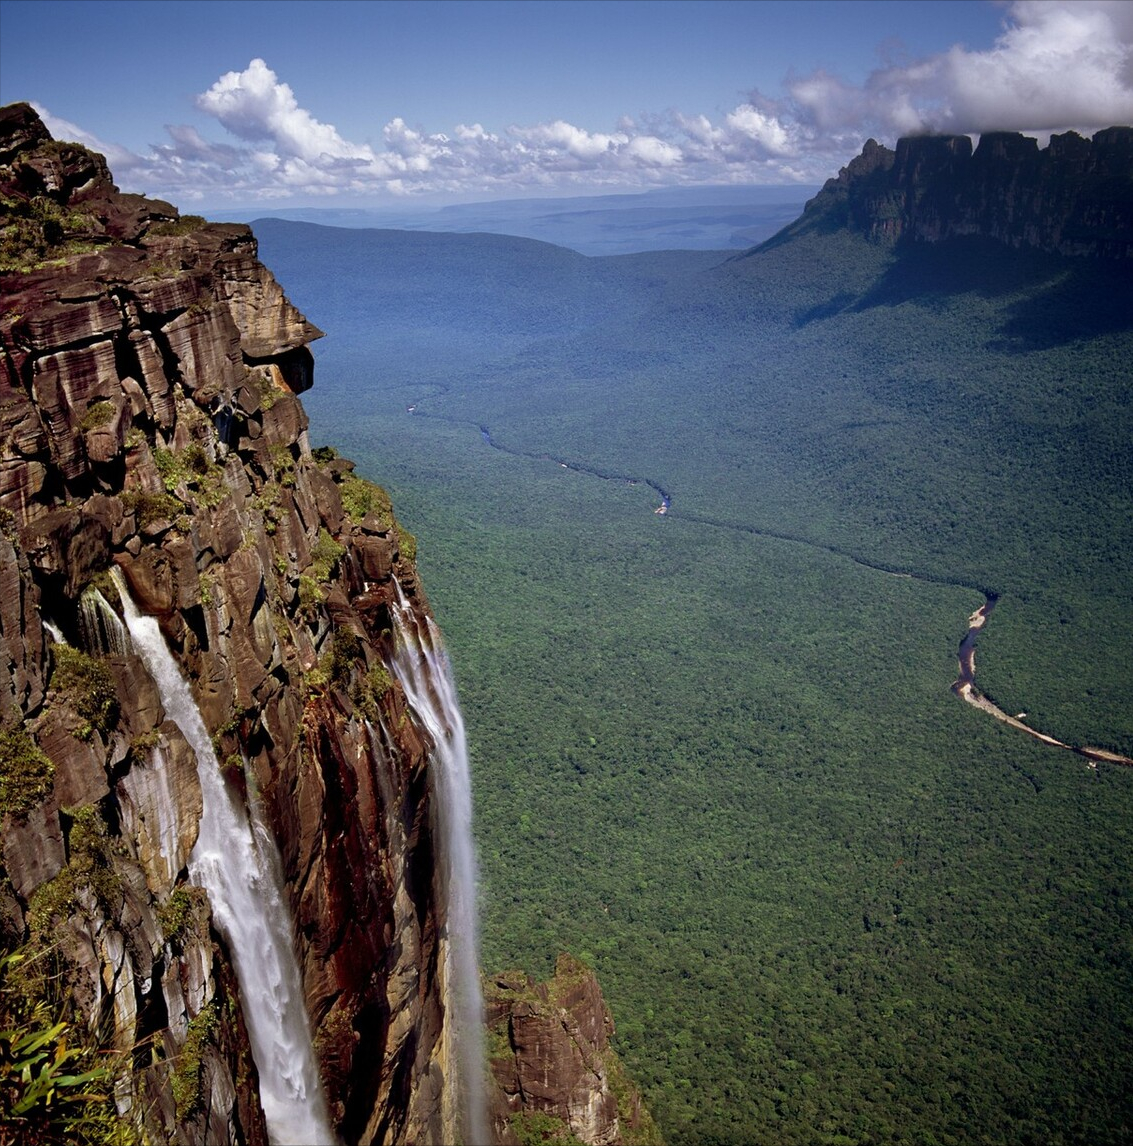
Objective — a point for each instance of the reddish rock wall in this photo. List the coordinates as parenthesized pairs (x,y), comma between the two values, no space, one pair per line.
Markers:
(148,420)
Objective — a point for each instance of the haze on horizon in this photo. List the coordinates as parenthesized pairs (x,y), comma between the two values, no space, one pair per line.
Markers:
(358,103)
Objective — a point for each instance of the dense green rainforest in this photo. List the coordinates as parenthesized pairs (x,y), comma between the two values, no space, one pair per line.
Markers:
(715,751)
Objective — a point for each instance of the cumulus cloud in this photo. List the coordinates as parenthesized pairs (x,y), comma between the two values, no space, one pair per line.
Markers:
(764,129)
(1057,65)
(653,152)
(254,105)
(565,139)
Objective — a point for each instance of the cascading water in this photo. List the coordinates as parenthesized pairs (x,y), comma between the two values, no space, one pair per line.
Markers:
(100,627)
(421,666)
(236,861)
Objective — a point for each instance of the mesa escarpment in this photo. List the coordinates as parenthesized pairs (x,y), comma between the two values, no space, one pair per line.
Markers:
(1073,197)
(149,423)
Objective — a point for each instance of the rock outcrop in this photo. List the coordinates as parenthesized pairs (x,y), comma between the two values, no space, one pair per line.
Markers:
(555,1071)
(1074,197)
(149,367)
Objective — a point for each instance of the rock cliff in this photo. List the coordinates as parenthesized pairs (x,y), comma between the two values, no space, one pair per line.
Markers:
(1074,197)
(149,423)
(556,1075)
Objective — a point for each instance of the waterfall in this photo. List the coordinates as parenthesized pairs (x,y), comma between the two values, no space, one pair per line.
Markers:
(100,627)
(421,666)
(236,861)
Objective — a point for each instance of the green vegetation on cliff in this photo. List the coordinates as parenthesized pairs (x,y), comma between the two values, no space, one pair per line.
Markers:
(25,772)
(56,1079)
(169,447)
(88,685)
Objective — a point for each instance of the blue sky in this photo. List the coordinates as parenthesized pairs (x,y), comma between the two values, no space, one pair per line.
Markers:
(317,102)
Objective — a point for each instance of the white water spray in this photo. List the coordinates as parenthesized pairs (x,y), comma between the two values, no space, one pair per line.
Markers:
(236,861)
(421,666)
(100,627)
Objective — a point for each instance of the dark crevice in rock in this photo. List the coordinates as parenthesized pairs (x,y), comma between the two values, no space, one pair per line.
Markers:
(296,367)
(371,1030)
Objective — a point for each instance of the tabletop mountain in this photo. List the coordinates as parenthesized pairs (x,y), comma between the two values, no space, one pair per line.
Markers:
(1074,197)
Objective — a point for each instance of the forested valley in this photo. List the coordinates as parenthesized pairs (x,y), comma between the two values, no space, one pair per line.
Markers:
(715,750)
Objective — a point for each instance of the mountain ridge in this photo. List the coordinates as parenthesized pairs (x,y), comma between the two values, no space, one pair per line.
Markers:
(1073,197)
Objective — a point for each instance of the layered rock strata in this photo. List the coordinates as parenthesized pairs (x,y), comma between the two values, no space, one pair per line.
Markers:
(1073,197)
(149,421)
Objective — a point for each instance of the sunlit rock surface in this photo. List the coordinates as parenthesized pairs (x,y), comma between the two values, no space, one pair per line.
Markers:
(149,367)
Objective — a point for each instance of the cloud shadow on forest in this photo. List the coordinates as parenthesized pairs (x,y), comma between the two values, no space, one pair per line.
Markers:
(1047,300)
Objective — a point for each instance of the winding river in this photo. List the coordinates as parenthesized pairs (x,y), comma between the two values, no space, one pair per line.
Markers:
(965,688)
(579,468)
(964,685)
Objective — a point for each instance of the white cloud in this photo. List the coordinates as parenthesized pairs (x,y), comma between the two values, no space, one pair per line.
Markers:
(255,106)
(564,138)
(1060,66)
(189,145)
(654,152)
(700,130)
(762,128)
(1057,65)
(475,132)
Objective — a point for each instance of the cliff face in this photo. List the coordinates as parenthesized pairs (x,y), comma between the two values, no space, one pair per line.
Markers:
(554,1069)
(1075,197)
(149,367)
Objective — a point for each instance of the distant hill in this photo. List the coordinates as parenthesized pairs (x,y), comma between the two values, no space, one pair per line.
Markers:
(442,301)
(681,218)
